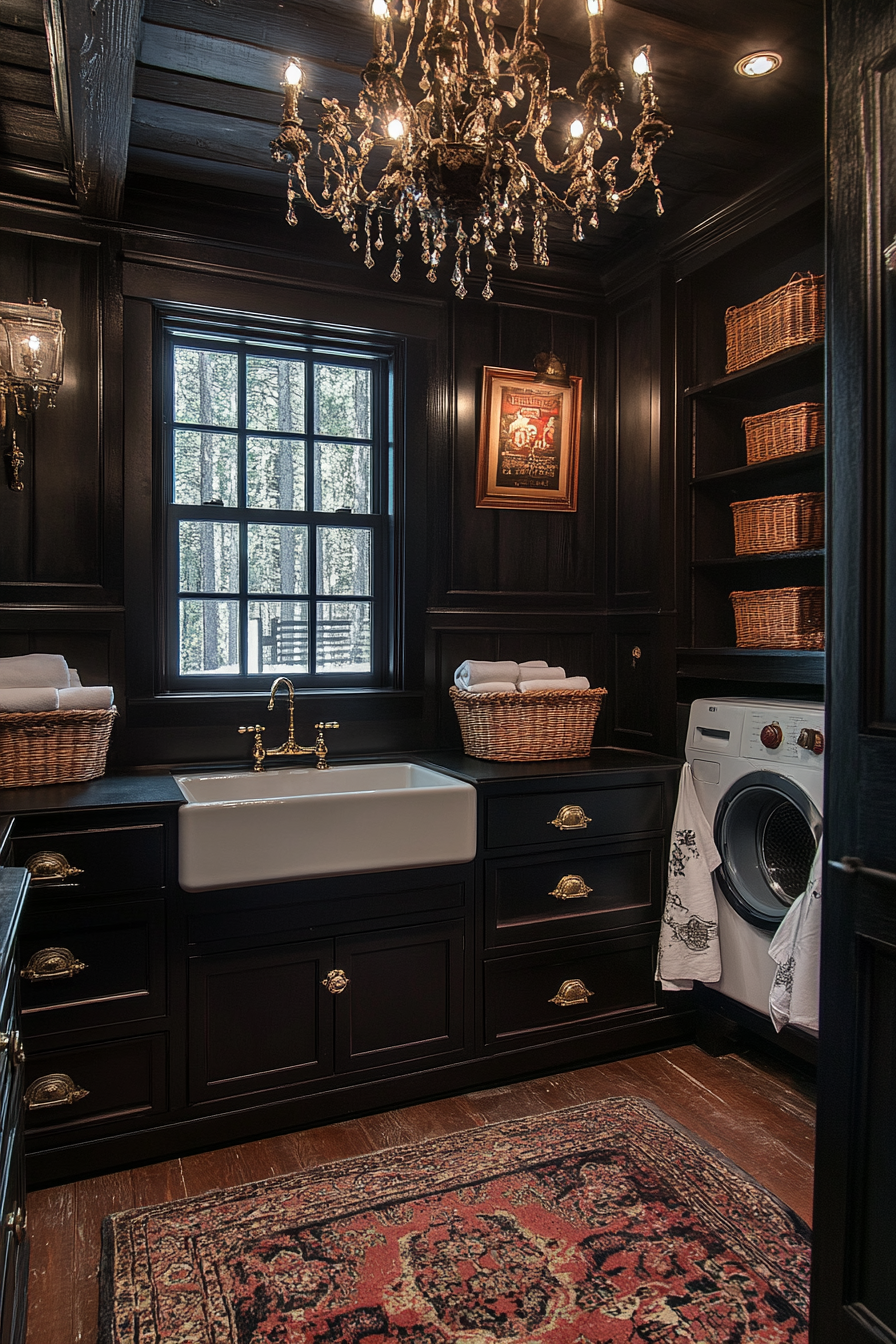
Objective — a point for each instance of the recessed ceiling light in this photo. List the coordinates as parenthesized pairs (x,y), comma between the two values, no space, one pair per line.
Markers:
(758,63)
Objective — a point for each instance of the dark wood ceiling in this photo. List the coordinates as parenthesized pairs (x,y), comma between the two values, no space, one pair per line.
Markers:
(189,90)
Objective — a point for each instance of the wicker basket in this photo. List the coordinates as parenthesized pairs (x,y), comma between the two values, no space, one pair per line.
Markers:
(793,429)
(60,746)
(779,523)
(527,725)
(780,618)
(789,316)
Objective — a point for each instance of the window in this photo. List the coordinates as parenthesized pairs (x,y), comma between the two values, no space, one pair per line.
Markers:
(277,457)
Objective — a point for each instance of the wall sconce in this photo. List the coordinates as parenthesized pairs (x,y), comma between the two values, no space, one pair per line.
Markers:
(32,339)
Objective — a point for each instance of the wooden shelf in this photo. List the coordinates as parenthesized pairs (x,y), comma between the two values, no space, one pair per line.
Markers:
(768,376)
(777,466)
(757,559)
(799,666)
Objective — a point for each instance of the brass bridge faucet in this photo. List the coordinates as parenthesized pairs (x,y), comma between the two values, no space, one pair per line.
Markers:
(290,747)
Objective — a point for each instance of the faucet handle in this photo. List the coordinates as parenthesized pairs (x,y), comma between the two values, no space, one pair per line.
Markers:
(331,723)
(258,751)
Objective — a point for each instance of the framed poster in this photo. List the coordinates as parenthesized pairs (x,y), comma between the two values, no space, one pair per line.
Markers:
(528,442)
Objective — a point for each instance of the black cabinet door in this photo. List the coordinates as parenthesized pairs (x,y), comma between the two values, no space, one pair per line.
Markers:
(260,1019)
(854,1275)
(405,995)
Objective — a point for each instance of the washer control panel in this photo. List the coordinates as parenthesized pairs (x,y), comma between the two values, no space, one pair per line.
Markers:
(790,735)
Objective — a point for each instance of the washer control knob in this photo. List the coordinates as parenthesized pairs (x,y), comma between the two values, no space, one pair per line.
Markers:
(812,740)
(771,736)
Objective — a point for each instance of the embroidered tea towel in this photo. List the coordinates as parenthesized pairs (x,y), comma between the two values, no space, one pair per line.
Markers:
(689,934)
(796,948)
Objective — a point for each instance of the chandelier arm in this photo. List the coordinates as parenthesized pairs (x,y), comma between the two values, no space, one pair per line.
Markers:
(409,41)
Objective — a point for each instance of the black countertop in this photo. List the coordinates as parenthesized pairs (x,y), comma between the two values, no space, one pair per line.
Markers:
(145,790)
(604,761)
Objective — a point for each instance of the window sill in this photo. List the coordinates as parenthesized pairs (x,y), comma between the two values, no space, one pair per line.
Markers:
(199,709)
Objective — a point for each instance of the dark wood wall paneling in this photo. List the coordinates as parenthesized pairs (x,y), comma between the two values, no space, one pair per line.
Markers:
(641,522)
(60,538)
(519,583)
(494,583)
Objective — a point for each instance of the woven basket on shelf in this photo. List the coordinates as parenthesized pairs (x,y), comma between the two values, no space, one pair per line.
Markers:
(789,316)
(792,429)
(59,746)
(779,523)
(780,618)
(527,725)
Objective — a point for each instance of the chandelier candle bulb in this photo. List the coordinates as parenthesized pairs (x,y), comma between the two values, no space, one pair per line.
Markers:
(576,130)
(641,63)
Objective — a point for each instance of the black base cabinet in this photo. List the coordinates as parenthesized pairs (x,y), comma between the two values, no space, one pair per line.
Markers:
(158,1021)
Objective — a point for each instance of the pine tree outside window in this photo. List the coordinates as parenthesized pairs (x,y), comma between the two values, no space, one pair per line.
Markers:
(277,460)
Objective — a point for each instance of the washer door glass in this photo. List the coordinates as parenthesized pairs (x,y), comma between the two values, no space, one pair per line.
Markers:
(767,831)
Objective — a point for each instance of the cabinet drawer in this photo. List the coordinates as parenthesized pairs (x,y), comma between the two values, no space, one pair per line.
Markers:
(130,858)
(89,1084)
(521,993)
(574,815)
(92,965)
(576,892)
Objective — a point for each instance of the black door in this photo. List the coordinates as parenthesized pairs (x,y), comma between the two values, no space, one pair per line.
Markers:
(854,1257)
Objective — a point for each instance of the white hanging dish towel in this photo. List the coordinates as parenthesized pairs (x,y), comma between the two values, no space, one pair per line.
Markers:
(689,934)
(796,950)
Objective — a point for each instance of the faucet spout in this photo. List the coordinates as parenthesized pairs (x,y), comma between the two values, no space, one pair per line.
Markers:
(290,747)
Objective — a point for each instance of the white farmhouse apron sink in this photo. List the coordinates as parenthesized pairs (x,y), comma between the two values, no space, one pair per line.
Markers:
(247,828)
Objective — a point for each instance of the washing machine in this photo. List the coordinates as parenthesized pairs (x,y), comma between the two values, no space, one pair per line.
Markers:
(758,769)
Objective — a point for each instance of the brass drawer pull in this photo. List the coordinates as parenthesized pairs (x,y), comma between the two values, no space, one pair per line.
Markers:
(569,888)
(336,982)
(572,994)
(53,963)
(17,1222)
(571,817)
(54,1089)
(48,866)
(13,1044)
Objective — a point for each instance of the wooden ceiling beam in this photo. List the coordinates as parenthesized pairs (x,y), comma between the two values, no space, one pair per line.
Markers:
(93,48)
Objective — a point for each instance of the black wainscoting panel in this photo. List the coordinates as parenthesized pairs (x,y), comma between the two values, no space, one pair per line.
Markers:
(50,533)
(637,450)
(574,641)
(520,553)
(641,706)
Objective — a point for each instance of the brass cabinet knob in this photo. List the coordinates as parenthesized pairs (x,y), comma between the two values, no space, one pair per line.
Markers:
(336,982)
(54,1089)
(571,994)
(571,817)
(17,1223)
(48,866)
(571,888)
(12,1043)
(53,963)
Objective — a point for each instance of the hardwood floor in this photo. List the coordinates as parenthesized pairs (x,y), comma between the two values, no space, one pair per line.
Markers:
(757,1112)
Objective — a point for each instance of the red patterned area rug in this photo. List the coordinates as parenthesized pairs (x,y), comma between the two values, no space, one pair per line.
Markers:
(605,1222)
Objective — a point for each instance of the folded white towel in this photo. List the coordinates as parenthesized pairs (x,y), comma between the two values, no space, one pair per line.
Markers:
(470,673)
(28,700)
(85,697)
(34,669)
(689,933)
(533,662)
(484,687)
(73,678)
(567,684)
(543,673)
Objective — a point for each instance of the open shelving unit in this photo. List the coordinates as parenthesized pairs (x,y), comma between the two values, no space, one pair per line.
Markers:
(715,472)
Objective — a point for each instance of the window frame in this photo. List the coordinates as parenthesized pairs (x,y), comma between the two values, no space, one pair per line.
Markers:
(247,336)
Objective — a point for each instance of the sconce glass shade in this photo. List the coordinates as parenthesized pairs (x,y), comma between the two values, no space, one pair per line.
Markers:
(32,339)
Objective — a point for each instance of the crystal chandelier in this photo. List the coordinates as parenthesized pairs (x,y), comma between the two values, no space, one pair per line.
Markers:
(469,157)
